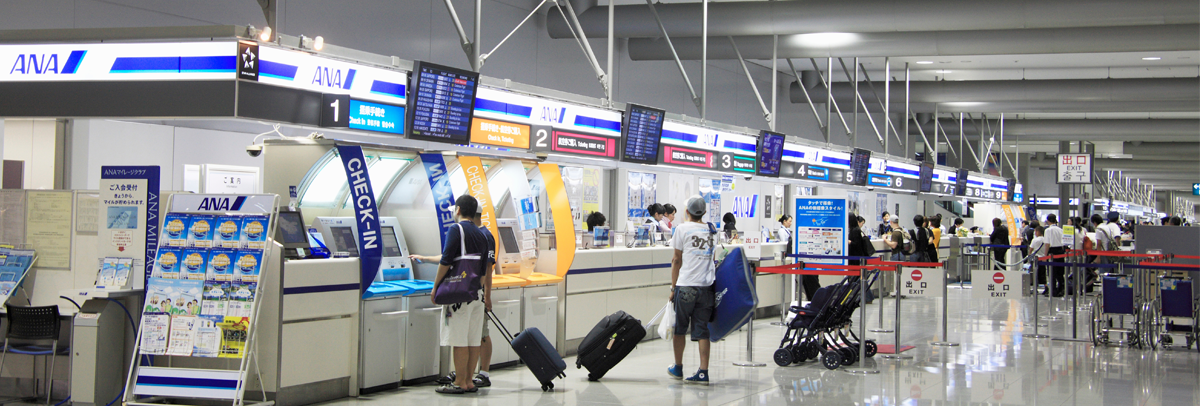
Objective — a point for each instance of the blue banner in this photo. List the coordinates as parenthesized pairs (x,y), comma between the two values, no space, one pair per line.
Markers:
(366,213)
(821,228)
(151,175)
(443,197)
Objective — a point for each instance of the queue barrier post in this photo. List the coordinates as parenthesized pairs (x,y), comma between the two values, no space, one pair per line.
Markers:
(897,355)
(862,326)
(945,310)
(1037,298)
(881,328)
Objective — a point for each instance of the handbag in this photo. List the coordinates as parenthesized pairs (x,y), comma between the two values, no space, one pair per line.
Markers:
(461,283)
(868,247)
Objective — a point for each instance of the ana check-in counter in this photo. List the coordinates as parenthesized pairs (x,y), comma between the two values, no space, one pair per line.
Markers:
(637,281)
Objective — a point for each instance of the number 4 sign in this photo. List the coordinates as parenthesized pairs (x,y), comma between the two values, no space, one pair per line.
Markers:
(1074,168)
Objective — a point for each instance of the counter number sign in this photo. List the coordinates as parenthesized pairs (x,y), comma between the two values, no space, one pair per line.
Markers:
(335,110)
(1074,168)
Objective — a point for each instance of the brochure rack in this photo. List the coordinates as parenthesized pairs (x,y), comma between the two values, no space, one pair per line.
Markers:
(167,382)
(15,264)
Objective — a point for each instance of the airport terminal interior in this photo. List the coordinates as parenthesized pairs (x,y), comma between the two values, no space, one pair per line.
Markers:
(599,202)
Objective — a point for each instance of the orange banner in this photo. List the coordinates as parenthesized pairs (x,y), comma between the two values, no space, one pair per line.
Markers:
(564,232)
(499,133)
(477,186)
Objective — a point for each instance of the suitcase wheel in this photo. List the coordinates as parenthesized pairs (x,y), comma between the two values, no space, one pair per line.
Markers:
(548,386)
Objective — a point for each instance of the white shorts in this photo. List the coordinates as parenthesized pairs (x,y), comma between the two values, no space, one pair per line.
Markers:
(463,328)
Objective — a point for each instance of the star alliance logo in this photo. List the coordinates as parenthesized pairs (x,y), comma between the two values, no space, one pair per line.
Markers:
(248,59)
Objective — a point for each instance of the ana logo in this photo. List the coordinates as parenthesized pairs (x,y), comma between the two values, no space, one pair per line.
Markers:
(553,115)
(998,277)
(222,203)
(332,77)
(43,64)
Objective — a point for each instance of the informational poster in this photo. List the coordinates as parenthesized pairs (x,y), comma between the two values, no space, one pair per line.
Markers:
(129,210)
(591,190)
(922,282)
(1074,168)
(12,216)
(649,189)
(87,209)
(768,206)
(854,202)
(989,284)
(573,182)
(635,210)
(881,203)
(727,183)
(710,190)
(821,228)
(48,228)
(229,179)
(778,207)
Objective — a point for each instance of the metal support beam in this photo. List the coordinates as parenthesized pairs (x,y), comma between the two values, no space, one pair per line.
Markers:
(774,83)
(887,107)
(483,58)
(860,101)
(830,103)
(937,126)
(807,97)
(583,43)
(766,113)
(907,108)
(271,10)
(871,85)
(608,80)
(476,61)
(854,136)
(678,62)
(464,41)
(974,155)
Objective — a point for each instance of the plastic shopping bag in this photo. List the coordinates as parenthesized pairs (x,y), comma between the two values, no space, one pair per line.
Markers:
(667,318)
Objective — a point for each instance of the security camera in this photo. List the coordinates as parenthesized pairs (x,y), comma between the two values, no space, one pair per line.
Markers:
(747,177)
(254,150)
(870,189)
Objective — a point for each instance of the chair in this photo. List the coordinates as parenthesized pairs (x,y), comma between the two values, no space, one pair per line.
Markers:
(34,323)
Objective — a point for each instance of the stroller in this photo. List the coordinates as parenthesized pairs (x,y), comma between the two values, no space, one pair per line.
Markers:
(822,328)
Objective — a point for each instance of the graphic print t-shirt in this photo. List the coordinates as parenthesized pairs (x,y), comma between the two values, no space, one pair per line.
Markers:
(696,242)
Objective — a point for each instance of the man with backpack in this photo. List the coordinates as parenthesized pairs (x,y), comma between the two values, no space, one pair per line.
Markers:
(462,327)
(692,276)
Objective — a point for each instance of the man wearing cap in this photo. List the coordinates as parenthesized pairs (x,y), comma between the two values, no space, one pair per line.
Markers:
(692,277)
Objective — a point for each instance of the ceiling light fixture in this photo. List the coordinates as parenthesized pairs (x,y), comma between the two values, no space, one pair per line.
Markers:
(1151,58)
(924,62)
(825,39)
(944,71)
(265,35)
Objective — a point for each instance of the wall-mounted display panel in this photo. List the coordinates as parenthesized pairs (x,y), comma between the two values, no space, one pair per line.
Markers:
(443,103)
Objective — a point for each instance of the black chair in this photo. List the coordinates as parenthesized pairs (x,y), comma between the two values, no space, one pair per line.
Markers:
(32,324)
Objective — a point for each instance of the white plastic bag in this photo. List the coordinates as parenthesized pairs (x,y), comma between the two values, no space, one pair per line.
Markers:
(667,327)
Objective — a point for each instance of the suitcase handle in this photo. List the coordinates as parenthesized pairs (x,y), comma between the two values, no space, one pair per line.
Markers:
(500,326)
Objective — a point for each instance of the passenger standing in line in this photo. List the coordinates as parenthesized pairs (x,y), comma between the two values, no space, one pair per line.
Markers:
(692,276)
(885,228)
(936,229)
(595,219)
(895,241)
(999,237)
(920,237)
(462,327)
(730,226)
(1054,239)
(1038,248)
(856,239)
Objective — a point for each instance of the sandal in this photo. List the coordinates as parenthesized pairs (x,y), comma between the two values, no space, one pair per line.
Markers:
(450,389)
(472,390)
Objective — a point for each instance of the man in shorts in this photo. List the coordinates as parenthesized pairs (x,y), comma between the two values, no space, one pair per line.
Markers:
(462,327)
(692,277)
(483,378)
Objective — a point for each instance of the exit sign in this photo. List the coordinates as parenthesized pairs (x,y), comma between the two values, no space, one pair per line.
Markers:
(1196,189)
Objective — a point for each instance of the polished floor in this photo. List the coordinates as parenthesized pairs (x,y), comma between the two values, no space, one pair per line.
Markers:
(994,364)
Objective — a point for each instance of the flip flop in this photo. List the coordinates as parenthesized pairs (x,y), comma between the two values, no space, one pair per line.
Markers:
(473,389)
(450,390)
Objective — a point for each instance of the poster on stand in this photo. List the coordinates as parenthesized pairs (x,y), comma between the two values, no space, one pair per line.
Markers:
(129,210)
(591,190)
(710,190)
(821,228)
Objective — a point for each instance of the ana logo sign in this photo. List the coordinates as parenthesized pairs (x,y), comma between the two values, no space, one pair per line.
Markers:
(222,203)
(552,114)
(744,206)
(332,77)
(998,277)
(916,275)
(43,64)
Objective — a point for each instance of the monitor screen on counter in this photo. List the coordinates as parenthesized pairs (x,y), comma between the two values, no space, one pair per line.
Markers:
(508,237)
(343,238)
(391,248)
(291,228)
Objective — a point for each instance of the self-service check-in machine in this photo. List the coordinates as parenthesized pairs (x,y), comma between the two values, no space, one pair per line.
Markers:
(518,249)
(399,340)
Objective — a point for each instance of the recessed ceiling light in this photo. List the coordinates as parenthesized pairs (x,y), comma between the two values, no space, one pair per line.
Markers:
(944,71)
(924,62)
(1151,58)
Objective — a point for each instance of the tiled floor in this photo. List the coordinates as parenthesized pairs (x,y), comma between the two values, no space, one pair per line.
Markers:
(994,365)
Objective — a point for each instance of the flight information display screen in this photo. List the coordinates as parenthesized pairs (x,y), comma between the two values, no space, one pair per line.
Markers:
(960,182)
(770,154)
(1011,187)
(926,177)
(441,103)
(860,161)
(641,132)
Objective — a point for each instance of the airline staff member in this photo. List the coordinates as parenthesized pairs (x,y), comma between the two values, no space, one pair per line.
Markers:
(1054,239)
(668,216)
(886,227)
(784,234)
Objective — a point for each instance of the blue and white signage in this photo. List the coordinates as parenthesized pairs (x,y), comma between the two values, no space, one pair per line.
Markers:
(366,213)
(376,117)
(443,197)
(745,206)
(512,107)
(118,62)
(305,71)
(129,200)
(821,228)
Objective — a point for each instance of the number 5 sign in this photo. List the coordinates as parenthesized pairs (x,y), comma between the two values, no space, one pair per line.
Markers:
(1074,168)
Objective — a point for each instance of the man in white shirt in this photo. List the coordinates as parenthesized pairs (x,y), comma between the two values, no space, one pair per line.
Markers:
(1038,248)
(1113,229)
(1054,239)
(692,277)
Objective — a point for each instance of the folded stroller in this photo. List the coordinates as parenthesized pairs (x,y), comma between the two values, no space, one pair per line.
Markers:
(822,328)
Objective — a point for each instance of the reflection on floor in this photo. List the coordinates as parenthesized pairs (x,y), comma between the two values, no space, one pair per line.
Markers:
(995,364)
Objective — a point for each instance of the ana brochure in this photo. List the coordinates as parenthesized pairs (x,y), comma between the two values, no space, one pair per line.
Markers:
(175,230)
(183,335)
(254,232)
(155,328)
(208,338)
(108,273)
(173,296)
(216,297)
(194,261)
(229,232)
(241,299)
(200,231)
(220,265)
(249,265)
(123,267)
(168,263)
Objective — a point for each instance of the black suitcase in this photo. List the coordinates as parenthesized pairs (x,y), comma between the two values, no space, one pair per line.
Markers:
(536,351)
(608,343)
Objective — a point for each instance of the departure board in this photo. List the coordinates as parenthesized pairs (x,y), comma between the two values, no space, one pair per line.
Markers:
(960,182)
(770,153)
(926,177)
(641,132)
(1010,185)
(860,161)
(441,103)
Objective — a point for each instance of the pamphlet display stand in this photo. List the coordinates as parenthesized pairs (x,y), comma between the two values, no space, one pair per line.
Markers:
(202,298)
(15,264)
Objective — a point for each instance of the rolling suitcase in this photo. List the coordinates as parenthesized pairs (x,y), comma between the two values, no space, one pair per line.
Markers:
(536,351)
(608,343)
